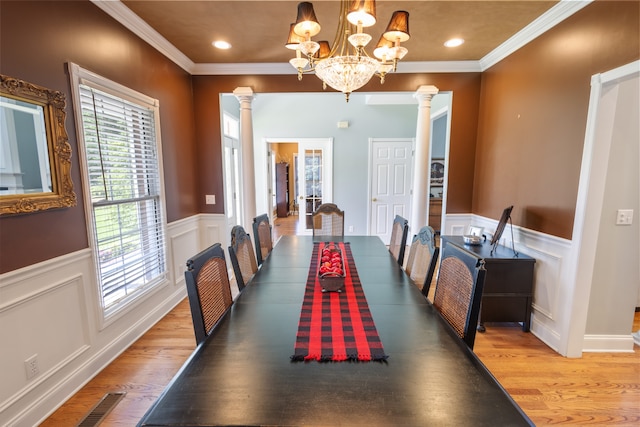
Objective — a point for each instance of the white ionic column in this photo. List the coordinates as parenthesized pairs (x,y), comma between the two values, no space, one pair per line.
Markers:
(421,166)
(245,96)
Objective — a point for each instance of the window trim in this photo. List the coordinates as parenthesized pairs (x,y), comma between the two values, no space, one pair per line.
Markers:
(78,76)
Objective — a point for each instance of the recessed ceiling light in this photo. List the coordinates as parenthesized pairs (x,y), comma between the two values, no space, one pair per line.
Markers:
(453,42)
(220,44)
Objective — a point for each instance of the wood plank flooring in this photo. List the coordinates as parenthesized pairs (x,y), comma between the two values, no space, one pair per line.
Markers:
(599,389)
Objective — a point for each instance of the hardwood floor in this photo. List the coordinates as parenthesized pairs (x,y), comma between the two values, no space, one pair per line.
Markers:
(599,389)
(142,371)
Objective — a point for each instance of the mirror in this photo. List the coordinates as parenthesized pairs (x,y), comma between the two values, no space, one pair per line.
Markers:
(35,155)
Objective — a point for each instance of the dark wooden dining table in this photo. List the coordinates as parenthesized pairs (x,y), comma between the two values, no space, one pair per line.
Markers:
(243,374)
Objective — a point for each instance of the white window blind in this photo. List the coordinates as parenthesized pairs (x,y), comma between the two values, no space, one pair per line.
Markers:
(123,168)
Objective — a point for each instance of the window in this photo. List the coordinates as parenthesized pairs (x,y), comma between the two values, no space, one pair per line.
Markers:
(232,190)
(118,133)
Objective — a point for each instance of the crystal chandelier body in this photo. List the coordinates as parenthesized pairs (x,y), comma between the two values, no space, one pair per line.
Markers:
(345,65)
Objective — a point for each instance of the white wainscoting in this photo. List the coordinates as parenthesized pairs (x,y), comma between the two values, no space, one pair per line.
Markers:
(550,272)
(553,283)
(51,309)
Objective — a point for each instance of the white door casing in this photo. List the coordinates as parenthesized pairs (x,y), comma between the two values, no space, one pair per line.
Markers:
(325,147)
(232,188)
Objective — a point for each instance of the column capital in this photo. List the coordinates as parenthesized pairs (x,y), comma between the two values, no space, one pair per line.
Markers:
(425,93)
(243,93)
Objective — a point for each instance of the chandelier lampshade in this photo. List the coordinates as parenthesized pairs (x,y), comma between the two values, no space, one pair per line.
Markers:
(362,12)
(345,65)
(324,51)
(294,39)
(307,24)
(398,28)
(383,49)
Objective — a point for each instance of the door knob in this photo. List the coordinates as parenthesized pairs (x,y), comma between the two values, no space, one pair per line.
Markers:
(374,200)
(301,198)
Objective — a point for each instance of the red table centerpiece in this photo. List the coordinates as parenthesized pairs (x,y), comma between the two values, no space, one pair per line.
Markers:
(331,269)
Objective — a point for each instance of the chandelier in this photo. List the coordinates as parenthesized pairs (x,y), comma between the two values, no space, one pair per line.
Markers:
(345,65)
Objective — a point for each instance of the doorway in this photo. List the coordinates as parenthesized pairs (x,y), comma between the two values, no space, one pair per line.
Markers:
(311,170)
(387,180)
(440,136)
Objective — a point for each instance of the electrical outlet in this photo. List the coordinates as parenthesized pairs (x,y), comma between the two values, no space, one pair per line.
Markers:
(31,366)
(210,199)
(351,229)
(624,217)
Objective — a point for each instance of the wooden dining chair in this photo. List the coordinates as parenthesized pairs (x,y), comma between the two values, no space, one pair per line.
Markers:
(423,258)
(242,256)
(328,220)
(459,291)
(262,237)
(208,290)
(398,241)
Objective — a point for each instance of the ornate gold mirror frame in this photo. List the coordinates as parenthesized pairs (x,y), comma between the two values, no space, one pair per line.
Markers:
(53,105)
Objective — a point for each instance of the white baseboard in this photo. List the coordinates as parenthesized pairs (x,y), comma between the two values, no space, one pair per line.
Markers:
(608,344)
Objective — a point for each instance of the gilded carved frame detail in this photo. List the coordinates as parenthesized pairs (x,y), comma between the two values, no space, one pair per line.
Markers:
(53,104)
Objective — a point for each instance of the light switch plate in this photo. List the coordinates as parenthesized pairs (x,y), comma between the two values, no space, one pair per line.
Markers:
(624,217)
(210,199)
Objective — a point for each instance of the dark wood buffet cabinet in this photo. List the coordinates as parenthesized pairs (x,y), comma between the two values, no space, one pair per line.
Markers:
(508,285)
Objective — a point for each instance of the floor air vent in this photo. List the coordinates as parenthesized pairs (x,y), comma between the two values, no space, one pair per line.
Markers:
(102,409)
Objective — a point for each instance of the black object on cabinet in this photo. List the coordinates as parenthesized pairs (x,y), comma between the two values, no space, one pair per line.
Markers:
(508,284)
(282,189)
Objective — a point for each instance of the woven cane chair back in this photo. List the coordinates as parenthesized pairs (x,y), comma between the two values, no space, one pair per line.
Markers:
(398,241)
(262,237)
(422,260)
(208,290)
(328,220)
(242,256)
(459,291)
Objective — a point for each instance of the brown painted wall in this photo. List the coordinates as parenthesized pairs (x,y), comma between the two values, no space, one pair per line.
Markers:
(533,116)
(466,95)
(532,161)
(37,40)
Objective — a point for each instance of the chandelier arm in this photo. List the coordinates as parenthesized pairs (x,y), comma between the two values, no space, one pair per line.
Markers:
(340,39)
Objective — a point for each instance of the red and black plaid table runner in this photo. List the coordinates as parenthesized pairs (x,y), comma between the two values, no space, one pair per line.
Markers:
(336,326)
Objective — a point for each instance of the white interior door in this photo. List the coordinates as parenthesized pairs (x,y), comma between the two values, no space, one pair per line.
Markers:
(390,184)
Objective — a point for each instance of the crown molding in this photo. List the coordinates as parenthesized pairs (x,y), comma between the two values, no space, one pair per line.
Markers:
(546,21)
(121,13)
(285,68)
(222,69)
(439,67)
(118,11)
